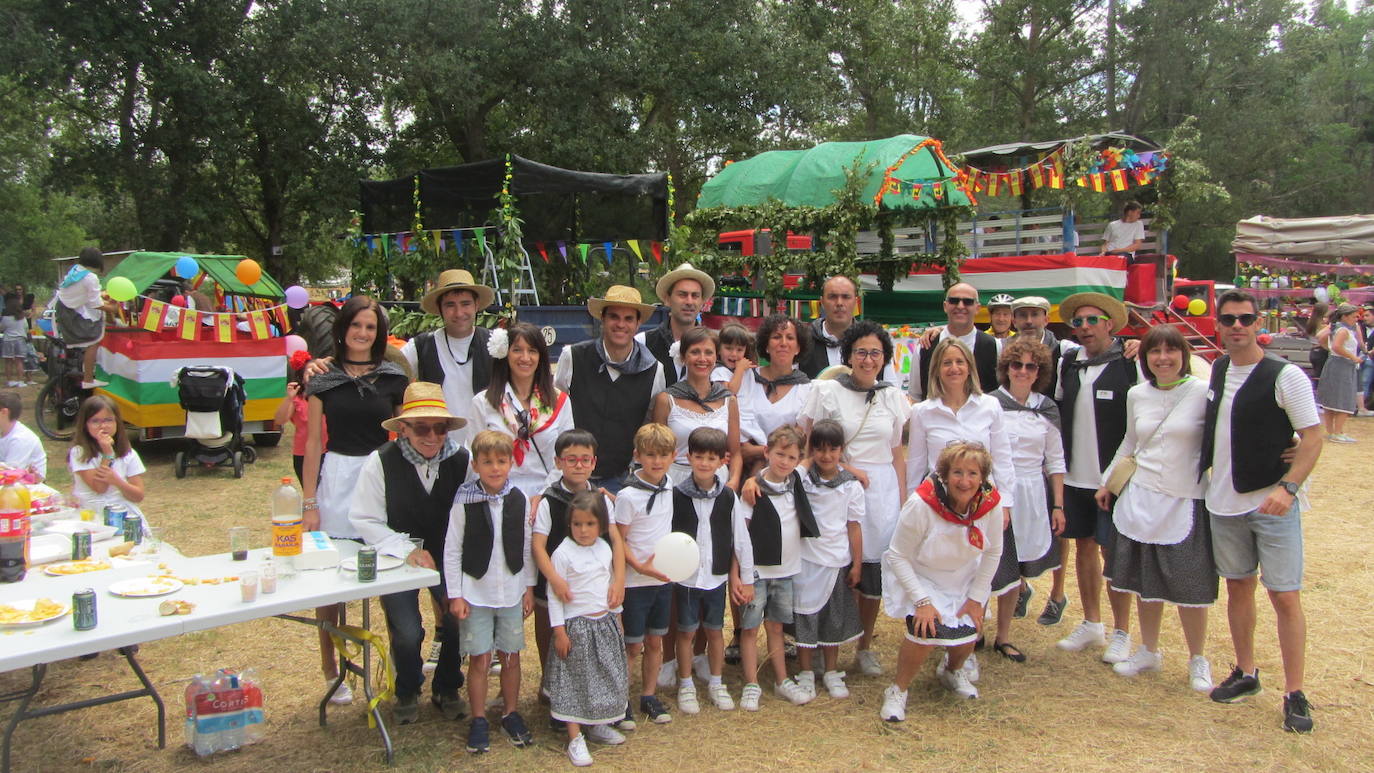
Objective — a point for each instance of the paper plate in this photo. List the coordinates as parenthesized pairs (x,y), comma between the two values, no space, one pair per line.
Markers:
(384,563)
(145,587)
(69,568)
(99,531)
(26,606)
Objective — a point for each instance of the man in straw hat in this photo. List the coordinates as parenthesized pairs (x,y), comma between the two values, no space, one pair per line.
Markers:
(1092,407)
(455,358)
(404,492)
(612,381)
(687,292)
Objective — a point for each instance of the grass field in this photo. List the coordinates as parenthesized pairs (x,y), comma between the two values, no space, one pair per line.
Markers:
(1058,711)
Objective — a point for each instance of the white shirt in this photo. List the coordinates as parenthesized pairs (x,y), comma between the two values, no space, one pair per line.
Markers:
(457,384)
(786,506)
(587,570)
(125,466)
(759,416)
(970,339)
(1293,393)
(683,420)
(543,518)
(563,372)
(834,508)
(646,528)
(681,368)
(83,297)
(703,578)
(533,474)
(871,430)
(1085,466)
(368,509)
(934,426)
(933,558)
(833,352)
(1036,447)
(1168,460)
(1119,234)
(22,449)
(499,587)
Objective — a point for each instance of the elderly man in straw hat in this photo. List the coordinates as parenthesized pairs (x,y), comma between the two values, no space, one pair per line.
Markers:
(687,292)
(404,492)
(612,381)
(456,357)
(1092,406)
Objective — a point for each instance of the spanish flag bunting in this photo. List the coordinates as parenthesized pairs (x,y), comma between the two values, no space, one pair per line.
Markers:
(283,321)
(257,325)
(1142,176)
(634,247)
(224,328)
(1119,182)
(153,314)
(1054,177)
(938,189)
(1016,183)
(657,249)
(1098,182)
(190,320)
(1083,181)
(1037,174)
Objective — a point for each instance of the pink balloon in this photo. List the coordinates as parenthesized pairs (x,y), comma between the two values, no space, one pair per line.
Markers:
(295,344)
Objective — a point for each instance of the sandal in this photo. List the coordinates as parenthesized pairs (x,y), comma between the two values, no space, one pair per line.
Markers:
(1010,652)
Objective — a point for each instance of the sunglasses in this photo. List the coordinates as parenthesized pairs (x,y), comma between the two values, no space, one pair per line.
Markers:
(956,301)
(1017,365)
(1245,320)
(1091,319)
(424,430)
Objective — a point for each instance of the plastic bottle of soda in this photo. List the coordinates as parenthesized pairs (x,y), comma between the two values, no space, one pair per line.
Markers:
(14,528)
(287,523)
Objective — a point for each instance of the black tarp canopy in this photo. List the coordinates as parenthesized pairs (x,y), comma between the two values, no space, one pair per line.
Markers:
(1018,154)
(555,204)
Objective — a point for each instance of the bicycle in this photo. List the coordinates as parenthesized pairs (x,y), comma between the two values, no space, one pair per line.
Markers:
(61,396)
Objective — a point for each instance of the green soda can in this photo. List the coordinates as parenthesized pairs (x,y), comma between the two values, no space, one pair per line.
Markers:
(367,564)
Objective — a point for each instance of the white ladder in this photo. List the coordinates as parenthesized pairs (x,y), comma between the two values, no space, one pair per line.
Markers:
(526,288)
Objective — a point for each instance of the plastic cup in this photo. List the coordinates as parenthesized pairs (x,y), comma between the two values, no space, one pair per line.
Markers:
(248,586)
(268,583)
(239,540)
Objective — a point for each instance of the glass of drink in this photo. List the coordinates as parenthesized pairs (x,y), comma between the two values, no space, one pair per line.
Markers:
(417,543)
(248,586)
(239,541)
(268,572)
(152,541)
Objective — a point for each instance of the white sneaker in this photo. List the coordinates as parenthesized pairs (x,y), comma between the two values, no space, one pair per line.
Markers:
(791,691)
(970,672)
(834,684)
(577,752)
(720,696)
(1084,635)
(957,682)
(1119,648)
(687,699)
(1199,673)
(342,696)
(1139,662)
(495,668)
(702,668)
(868,663)
(432,662)
(94,384)
(807,681)
(749,699)
(894,705)
(604,735)
(667,675)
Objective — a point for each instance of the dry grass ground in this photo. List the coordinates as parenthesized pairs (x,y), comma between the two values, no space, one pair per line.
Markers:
(1059,711)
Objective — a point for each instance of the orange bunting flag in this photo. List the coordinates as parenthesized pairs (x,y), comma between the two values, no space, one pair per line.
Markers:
(1037,174)
(257,325)
(1016,183)
(1119,182)
(224,328)
(190,320)
(154,312)
(1098,182)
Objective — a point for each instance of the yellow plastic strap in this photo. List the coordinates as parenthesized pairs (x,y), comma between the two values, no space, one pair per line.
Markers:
(386,686)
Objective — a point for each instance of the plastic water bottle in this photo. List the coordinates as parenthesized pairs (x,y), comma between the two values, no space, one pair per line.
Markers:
(194,739)
(287,525)
(14,528)
(229,694)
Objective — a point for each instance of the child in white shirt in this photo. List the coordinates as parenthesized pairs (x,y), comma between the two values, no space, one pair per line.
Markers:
(106,470)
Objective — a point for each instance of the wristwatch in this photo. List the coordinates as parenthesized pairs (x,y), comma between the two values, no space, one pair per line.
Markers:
(1289,486)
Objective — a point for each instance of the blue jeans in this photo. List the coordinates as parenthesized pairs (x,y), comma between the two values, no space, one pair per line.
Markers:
(407,630)
(1366,378)
(1270,545)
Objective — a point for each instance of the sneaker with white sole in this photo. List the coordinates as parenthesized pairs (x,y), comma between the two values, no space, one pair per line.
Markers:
(969,668)
(94,384)
(342,696)
(749,699)
(1085,635)
(577,751)
(1118,648)
(701,666)
(794,693)
(687,699)
(628,722)
(432,661)
(604,735)
(720,696)
(1200,673)
(834,684)
(957,682)
(807,681)
(1140,661)
(894,705)
(868,663)
(667,675)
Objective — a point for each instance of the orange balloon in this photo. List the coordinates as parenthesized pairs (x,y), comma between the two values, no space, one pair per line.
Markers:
(248,271)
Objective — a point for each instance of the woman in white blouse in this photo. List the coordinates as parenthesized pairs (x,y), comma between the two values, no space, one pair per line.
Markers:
(521,401)
(1164,551)
(873,413)
(772,395)
(697,401)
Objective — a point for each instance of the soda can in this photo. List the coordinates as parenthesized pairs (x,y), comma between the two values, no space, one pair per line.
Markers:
(367,564)
(114,516)
(133,528)
(83,609)
(81,545)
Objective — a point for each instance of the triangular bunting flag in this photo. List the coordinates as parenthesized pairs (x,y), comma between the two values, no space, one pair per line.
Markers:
(657,249)
(563,250)
(543,253)
(190,320)
(582,251)
(153,314)
(371,244)
(607,246)
(634,247)
(481,239)
(458,242)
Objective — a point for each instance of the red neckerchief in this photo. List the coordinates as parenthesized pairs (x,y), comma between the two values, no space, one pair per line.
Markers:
(983,502)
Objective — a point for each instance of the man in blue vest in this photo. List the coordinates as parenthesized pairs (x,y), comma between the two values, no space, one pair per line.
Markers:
(1255,404)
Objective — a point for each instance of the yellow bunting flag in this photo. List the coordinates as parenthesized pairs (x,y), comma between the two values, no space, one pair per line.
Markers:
(153,314)
(1119,180)
(995,184)
(634,247)
(190,320)
(224,328)
(1016,183)
(1037,174)
(1098,182)
(257,325)
(1055,177)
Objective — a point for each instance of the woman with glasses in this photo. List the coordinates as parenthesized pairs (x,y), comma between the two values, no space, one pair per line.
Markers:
(521,401)
(872,413)
(1029,547)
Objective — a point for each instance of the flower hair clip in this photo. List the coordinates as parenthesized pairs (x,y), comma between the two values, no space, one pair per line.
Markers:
(298,359)
(675,352)
(499,343)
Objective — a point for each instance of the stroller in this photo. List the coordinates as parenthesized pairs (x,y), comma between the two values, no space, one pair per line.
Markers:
(213,397)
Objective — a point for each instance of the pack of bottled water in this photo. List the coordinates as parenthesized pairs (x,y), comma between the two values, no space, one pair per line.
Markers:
(224,712)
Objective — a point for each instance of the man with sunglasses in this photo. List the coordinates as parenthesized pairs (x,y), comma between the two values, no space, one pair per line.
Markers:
(961,306)
(1092,408)
(404,492)
(1255,404)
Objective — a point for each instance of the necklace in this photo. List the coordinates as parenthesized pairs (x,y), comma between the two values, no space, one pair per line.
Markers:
(449,345)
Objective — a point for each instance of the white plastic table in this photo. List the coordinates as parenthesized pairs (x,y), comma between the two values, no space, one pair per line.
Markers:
(125,622)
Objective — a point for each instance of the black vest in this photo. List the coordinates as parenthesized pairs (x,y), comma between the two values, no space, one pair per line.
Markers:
(479,535)
(558,500)
(984,362)
(610,410)
(817,357)
(1055,356)
(409,509)
(660,340)
(722,525)
(1110,415)
(765,528)
(1264,433)
(427,358)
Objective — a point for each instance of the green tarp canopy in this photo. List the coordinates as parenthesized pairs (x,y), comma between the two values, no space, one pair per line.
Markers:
(144,268)
(809,178)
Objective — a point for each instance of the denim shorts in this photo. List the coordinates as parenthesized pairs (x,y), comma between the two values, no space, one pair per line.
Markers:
(485,628)
(698,608)
(648,610)
(772,602)
(1254,542)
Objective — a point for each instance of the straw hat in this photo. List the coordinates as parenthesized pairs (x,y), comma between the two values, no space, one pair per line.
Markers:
(833,372)
(685,271)
(1114,309)
(1031,302)
(620,295)
(456,279)
(424,400)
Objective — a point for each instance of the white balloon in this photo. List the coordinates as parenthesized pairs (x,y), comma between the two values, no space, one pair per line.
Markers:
(676,555)
(1321,294)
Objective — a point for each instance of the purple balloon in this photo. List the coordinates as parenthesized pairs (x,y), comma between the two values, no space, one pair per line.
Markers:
(297,297)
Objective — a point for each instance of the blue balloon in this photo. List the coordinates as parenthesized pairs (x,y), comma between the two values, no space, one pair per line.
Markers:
(186,267)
